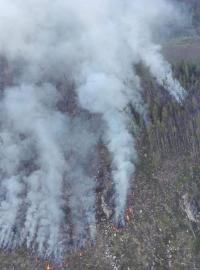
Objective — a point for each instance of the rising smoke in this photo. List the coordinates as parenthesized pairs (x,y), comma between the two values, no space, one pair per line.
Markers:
(49,133)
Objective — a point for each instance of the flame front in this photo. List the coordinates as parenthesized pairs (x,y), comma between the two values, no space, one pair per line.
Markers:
(49,267)
(128,214)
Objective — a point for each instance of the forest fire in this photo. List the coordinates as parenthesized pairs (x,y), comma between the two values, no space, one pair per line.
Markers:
(127,217)
(81,254)
(128,214)
(116,229)
(48,267)
(69,123)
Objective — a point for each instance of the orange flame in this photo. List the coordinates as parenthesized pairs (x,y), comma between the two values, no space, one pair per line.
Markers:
(115,229)
(127,218)
(49,267)
(81,254)
(128,214)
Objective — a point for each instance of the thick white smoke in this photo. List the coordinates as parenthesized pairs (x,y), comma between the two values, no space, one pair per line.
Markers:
(47,151)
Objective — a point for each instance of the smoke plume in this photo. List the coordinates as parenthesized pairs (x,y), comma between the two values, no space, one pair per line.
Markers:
(72,78)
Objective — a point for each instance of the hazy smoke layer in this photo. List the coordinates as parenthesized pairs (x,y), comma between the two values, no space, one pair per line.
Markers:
(49,134)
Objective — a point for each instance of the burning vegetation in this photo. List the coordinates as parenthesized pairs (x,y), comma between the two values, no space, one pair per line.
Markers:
(60,106)
(48,267)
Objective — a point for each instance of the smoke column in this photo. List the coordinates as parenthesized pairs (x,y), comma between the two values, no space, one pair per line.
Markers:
(49,134)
